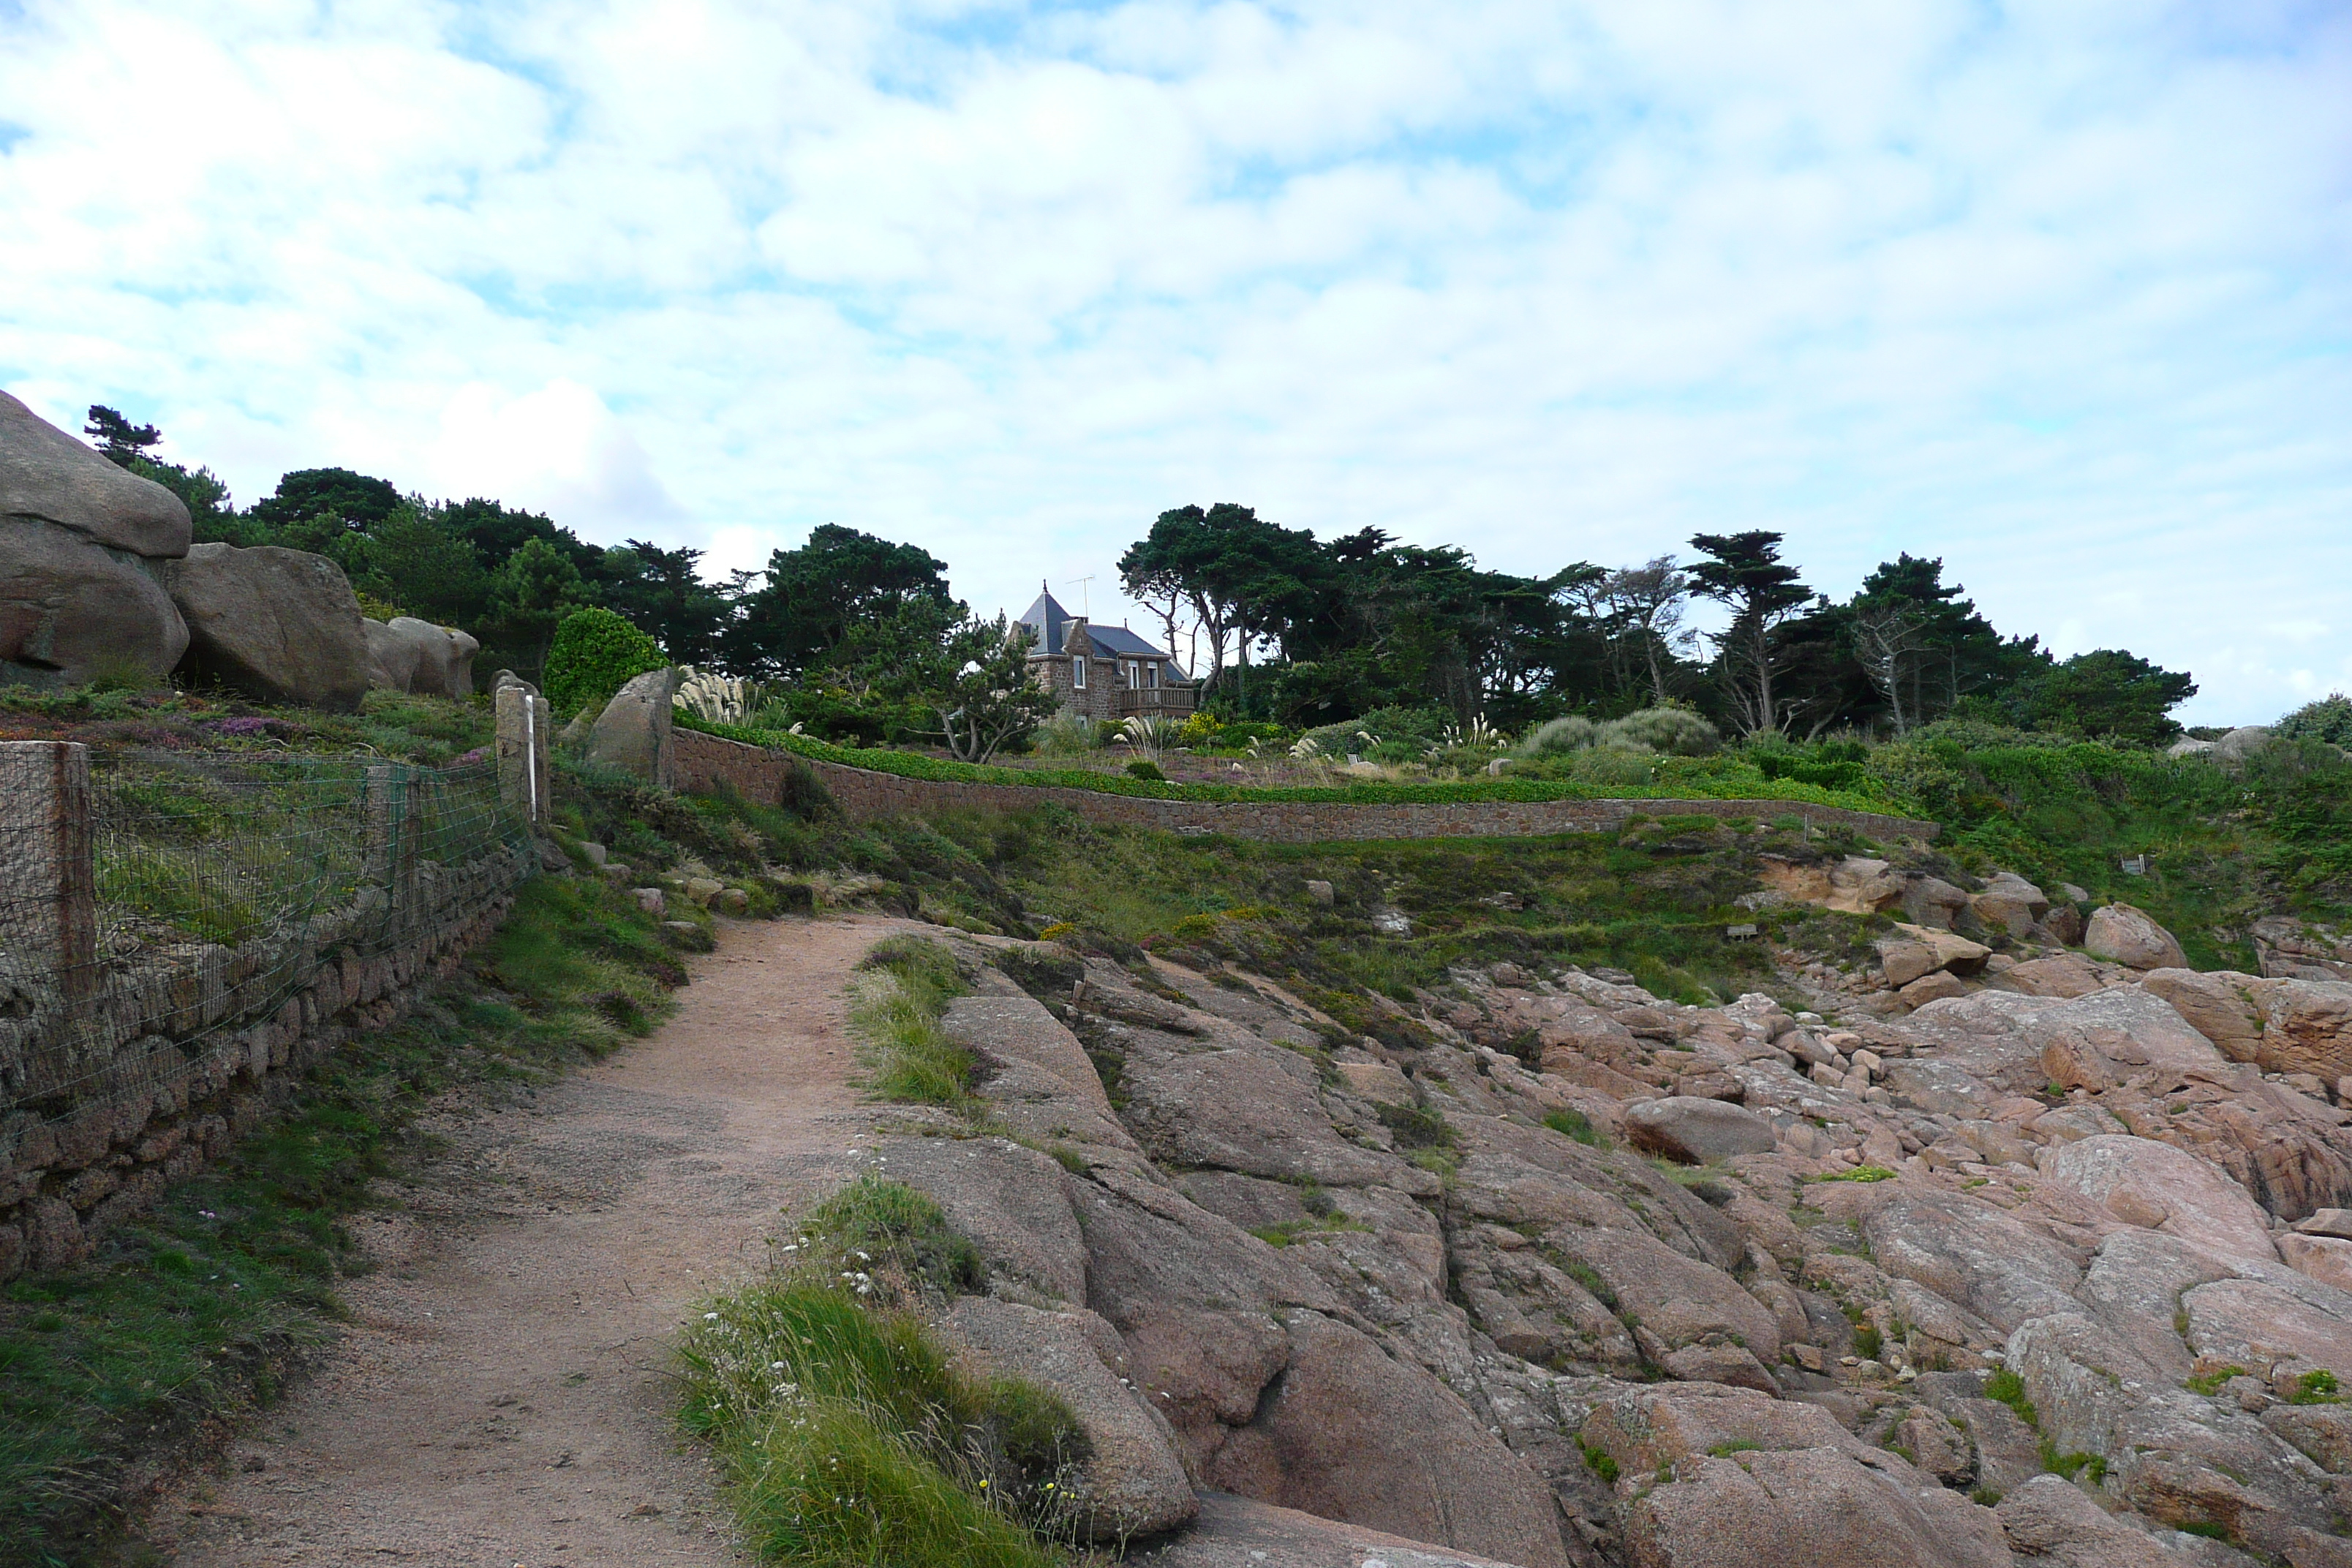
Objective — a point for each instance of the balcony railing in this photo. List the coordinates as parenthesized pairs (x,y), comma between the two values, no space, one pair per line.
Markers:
(1173,701)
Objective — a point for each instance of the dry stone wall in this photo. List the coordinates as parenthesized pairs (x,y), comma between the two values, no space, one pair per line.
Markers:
(707,761)
(182,1077)
(133,1049)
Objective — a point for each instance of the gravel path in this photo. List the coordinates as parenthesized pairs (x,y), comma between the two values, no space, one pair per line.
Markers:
(500,1398)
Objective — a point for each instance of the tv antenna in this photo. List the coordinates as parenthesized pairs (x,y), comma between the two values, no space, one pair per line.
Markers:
(1084,594)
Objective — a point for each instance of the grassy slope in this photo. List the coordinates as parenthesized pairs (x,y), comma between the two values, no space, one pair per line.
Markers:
(1713,778)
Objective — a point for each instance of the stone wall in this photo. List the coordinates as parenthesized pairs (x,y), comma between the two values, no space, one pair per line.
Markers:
(132,1050)
(706,763)
(186,1080)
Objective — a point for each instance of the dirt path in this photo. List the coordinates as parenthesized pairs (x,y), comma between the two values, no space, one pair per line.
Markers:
(499,1399)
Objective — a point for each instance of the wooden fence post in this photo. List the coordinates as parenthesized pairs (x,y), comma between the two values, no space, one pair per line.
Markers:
(48,865)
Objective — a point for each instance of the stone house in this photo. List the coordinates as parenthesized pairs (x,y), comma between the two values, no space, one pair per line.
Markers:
(1103,672)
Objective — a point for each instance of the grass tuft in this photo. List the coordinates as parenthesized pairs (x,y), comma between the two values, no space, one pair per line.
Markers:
(1577,1125)
(847,1434)
(896,1016)
(2009,1389)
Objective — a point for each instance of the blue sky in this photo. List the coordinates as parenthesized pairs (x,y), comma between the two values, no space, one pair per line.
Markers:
(2057,292)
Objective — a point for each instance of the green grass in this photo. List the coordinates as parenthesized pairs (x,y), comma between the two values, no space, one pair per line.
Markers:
(896,1016)
(1414,1127)
(2315,1388)
(2069,1465)
(1599,1462)
(1680,778)
(894,1237)
(848,1436)
(2209,1383)
(2006,1386)
(1577,1125)
(1857,1174)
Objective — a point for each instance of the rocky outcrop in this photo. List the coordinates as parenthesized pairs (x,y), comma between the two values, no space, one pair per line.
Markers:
(2280,1025)
(1437,1285)
(406,654)
(81,544)
(2292,948)
(279,625)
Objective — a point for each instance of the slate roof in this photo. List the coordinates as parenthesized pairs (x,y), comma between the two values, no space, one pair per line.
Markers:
(1050,621)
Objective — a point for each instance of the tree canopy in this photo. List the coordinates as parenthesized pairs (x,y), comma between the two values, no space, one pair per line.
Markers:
(868,640)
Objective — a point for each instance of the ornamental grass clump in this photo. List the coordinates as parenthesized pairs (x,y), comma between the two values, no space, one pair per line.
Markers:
(847,1434)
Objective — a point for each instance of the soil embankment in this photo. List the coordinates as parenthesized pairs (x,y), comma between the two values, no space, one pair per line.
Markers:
(501,1397)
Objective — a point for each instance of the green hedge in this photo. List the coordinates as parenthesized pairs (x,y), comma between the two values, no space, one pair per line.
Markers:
(1724,783)
(595,654)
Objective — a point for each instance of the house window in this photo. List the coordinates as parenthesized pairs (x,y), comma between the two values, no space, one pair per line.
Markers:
(1134,679)
(1078,672)
(1151,676)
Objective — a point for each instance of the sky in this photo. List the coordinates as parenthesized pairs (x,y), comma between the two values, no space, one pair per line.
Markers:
(2059,292)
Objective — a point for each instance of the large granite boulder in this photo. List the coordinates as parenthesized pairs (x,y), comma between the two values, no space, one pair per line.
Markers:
(1696,1131)
(72,611)
(1350,1432)
(2280,1025)
(2127,936)
(1820,1507)
(48,477)
(80,543)
(1133,1483)
(406,654)
(2010,903)
(1235,1530)
(2161,1188)
(634,734)
(281,624)
(2052,1522)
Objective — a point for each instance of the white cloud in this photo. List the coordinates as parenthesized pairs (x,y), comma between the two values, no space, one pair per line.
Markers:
(2055,294)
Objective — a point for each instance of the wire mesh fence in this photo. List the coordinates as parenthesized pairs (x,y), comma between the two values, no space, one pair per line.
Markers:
(157,907)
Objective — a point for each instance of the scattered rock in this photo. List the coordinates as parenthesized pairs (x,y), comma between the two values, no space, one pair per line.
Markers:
(2010,903)
(1936,987)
